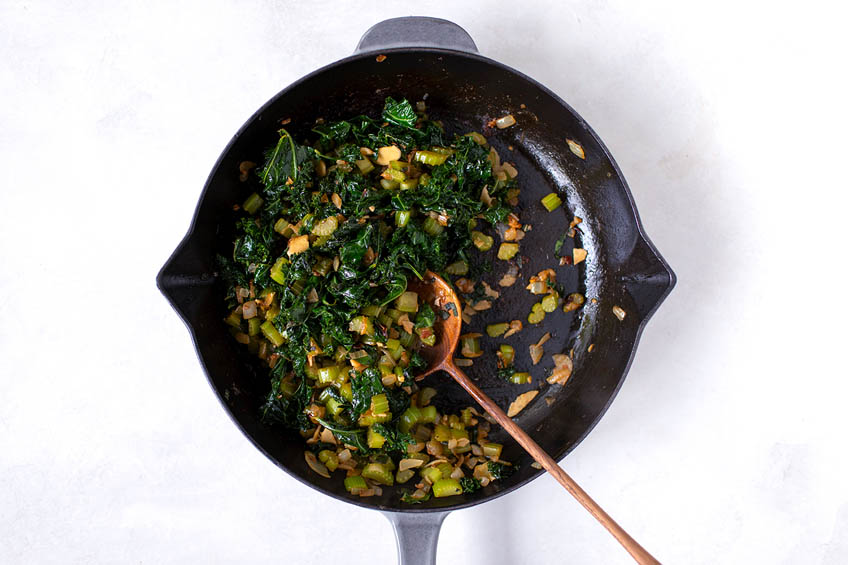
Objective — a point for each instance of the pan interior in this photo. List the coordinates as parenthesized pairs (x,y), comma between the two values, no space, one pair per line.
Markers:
(465,92)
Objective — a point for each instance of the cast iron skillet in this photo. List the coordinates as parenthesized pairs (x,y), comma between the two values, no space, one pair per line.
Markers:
(436,60)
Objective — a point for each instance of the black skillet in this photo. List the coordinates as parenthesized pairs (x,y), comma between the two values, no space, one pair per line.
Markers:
(437,61)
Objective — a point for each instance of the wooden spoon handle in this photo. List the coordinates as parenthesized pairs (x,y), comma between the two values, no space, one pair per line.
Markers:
(639,553)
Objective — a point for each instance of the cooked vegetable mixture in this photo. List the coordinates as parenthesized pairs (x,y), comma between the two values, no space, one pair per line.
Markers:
(318,291)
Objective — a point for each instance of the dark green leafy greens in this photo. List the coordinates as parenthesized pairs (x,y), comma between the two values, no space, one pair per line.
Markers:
(323,308)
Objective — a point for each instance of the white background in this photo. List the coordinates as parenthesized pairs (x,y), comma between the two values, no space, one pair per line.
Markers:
(727,442)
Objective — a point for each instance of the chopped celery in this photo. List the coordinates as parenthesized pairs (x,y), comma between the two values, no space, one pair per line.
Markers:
(426,395)
(277,270)
(253,203)
(549,303)
(430,474)
(408,184)
(329,458)
(234,319)
(482,241)
(372,310)
(283,228)
(428,415)
(395,175)
(379,404)
(507,251)
(379,473)
(537,314)
(495,330)
(446,487)
(430,158)
(491,450)
(402,218)
(409,418)
(573,301)
(375,440)
(407,302)
(334,407)
(364,165)
(441,433)
(326,375)
(271,333)
(432,226)
(346,391)
(507,354)
(355,482)
(519,378)
(403,476)
(325,227)
(457,268)
(551,202)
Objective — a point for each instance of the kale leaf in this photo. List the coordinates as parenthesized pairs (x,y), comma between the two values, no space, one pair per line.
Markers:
(500,470)
(396,440)
(365,385)
(469,484)
(399,112)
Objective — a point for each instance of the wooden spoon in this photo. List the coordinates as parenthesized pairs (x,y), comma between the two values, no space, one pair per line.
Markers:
(434,290)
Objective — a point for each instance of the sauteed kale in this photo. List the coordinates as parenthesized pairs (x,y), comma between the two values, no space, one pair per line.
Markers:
(318,291)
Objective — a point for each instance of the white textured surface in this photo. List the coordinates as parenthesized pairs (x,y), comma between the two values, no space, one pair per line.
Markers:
(726,443)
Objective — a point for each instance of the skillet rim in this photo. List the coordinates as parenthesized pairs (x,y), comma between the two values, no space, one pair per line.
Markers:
(163,275)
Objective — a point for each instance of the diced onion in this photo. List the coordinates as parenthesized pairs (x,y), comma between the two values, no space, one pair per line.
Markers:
(576,148)
(505,121)
(619,312)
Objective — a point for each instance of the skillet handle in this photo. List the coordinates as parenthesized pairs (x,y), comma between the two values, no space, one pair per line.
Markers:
(417,535)
(416,31)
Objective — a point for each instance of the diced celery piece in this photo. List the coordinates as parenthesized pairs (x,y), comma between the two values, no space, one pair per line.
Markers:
(326,226)
(446,487)
(253,203)
(491,450)
(403,476)
(234,319)
(428,415)
(409,418)
(402,217)
(507,251)
(379,473)
(441,433)
(326,375)
(374,439)
(457,268)
(507,354)
(283,228)
(379,404)
(407,302)
(355,482)
(549,302)
(431,158)
(372,310)
(408,184)
(329,458)
(482,241)
(271,333)
(495,330)
(364,165)
(551,202)
(430,474)
(277,270)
